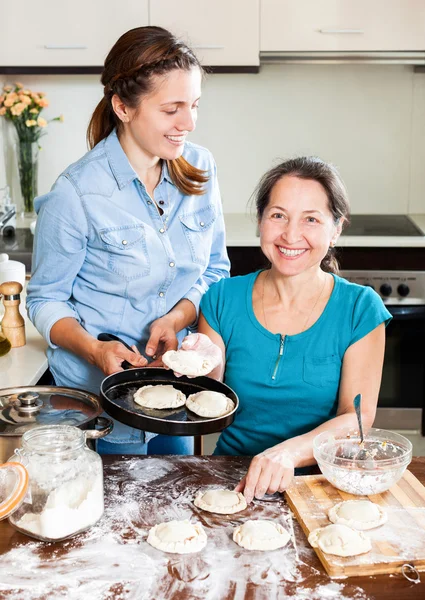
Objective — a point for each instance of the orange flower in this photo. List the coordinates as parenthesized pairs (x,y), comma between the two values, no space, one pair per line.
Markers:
(10,99)
(19,85)
(17,109)
(41,122)
(7,88)
(25,99)
(34,111)
(43,102)
(2,111)
(30,123)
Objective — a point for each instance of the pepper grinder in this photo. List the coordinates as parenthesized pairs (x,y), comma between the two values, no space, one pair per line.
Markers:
(13,324)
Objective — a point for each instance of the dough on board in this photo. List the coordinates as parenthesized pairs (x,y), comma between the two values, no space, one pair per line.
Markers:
(358,514)
(221,501)
(340,540)
(209,404)
(182,537)
(159,396)
(190,362)
(261,535)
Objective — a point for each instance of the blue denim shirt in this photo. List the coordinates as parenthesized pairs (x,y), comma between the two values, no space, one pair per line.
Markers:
(105,256)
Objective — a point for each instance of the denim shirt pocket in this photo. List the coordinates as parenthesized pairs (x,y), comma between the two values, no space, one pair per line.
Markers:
(127,253)
(322,371)
(198,229)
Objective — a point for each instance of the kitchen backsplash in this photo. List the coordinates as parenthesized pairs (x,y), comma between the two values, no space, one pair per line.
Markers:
(369,120)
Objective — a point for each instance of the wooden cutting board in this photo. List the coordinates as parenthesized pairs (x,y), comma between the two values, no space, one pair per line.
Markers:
(399,541)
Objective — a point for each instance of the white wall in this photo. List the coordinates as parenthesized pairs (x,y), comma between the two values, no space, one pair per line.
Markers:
(369,120)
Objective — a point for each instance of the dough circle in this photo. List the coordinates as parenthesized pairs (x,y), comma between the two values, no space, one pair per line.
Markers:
(220,501)
(189,362)
(209,404)
(340,540)
(261,535)
(159,396)
(181,537)
(358,514)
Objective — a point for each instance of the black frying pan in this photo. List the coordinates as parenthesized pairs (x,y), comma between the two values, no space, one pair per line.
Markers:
(117,390)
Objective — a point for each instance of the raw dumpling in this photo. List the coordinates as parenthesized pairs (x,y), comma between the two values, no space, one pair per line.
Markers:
(209,404)
(261,535)
(224,502)
(340,540)
(159,396)
(358,514)
(182,537)
(190,362)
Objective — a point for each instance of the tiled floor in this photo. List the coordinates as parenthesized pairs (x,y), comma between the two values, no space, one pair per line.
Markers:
(414,436)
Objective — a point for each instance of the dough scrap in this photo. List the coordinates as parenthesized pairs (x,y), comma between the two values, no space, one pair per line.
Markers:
(220,501)
(340,540)
(358,514)
(261,535)
(181,537)
(209,404)
(189,362)
(159,396)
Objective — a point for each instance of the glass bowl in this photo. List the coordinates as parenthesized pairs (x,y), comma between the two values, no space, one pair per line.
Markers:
(342,461)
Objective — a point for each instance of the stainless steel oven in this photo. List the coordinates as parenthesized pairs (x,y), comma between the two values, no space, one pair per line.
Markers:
(402,396)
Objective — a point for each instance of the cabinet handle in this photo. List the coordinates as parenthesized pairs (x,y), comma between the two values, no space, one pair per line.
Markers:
(361,31)
(208,47)
(65,47)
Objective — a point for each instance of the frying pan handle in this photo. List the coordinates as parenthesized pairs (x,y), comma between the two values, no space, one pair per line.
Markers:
(105,423)
(110,337)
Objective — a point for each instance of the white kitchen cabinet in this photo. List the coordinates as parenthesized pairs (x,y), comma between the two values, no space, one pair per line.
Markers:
(342,25)
(222,32)
(60,33)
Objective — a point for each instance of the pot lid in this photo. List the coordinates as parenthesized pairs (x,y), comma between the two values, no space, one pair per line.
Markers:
(13,487)
(24,408)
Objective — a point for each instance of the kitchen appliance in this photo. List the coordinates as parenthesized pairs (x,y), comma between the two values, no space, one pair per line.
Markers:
(401,402)
(7,214)
(24,408)
(117,392)
(382,225)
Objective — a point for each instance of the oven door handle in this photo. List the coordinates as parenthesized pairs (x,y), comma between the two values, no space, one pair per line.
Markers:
(407,312)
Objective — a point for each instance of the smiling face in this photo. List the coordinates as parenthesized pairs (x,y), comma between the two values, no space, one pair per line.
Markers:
(159,125)
(297,226)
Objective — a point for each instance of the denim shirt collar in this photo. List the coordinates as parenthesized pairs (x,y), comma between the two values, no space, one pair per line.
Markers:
(120,165)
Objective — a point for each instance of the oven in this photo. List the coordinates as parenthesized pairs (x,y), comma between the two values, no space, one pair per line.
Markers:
(401,402)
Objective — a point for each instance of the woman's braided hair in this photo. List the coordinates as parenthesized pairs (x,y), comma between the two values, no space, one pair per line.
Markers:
(130,67)
(309,167)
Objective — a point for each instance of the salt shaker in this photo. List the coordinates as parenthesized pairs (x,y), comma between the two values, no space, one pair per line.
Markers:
(13,324)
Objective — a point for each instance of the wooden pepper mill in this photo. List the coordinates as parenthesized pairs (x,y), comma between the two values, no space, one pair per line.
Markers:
(13,324)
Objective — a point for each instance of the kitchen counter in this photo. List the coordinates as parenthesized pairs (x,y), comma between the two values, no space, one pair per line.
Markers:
(241,231)
(112,560)
(25,365)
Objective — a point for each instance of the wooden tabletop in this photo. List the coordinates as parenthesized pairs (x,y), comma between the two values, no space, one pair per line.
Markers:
(112,560)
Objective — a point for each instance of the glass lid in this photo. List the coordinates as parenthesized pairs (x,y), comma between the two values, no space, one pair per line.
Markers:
(23,408)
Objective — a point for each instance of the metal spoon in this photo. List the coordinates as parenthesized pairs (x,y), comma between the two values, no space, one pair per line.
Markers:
(362,454)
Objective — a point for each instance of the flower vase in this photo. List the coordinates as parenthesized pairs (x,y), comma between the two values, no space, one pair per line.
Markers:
(28,174)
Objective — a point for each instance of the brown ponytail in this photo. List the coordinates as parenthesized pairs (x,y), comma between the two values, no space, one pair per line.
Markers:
(309,167)
(129,68)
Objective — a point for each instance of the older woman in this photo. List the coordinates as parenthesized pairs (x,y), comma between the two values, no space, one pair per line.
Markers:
(298,341)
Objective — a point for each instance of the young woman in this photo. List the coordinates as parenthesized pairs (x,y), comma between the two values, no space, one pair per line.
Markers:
(298,342)
(132,234)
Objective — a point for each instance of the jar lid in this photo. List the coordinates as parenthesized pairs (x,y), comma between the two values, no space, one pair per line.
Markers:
(13,487)
(24,408)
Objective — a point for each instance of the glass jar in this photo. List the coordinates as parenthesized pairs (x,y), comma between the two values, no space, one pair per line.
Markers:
(65,489)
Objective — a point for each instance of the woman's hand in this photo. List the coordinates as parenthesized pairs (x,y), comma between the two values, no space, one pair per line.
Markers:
(109,356)
(162,338)
(269,472)
(201,343)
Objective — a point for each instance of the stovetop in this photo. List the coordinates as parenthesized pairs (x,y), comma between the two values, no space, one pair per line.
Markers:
(382,225)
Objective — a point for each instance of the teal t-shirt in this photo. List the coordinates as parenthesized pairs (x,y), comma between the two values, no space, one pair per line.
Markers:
(287,385)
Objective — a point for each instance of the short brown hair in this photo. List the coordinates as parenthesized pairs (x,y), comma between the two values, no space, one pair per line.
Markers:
(129,68)
(309,167)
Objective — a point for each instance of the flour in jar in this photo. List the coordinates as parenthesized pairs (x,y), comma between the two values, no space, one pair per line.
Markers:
(70,508)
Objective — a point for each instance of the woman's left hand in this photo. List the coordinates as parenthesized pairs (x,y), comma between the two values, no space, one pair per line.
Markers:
(162,338)
(269,472)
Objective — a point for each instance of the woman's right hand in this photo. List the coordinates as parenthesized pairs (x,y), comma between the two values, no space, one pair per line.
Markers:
(109,356)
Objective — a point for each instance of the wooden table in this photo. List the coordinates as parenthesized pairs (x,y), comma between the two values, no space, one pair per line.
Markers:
(112,560)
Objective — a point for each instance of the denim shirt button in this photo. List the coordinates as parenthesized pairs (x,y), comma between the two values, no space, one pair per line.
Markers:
(171,264)
(161,202)
(161,294)
(161,230)
(202,224)
(149,202)
(124,242)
